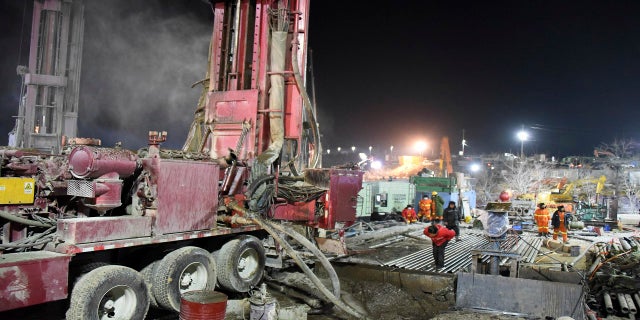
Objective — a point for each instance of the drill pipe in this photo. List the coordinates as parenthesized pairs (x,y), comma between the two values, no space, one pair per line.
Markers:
(636,297)
(630,304)
(607,302)
(623,303)
(625,244)
(595,264)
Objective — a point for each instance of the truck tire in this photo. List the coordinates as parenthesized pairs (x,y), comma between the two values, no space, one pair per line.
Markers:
(240,263)
(86,268)
(109,292)
(147,274)
(185,269)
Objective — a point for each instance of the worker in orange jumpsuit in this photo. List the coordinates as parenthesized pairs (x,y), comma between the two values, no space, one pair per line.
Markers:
(440,237)
(560,222)
(425,209)
(409,215)
(541,217)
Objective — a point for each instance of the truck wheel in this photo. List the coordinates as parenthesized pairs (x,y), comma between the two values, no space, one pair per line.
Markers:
(240,263)
(109,292)
(185,269)
(147,274)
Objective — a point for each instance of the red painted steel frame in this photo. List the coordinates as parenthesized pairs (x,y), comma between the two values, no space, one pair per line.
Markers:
(338,207)
(31,278)
(239,82)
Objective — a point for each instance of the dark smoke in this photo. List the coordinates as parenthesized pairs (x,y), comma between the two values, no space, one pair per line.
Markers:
(140,59)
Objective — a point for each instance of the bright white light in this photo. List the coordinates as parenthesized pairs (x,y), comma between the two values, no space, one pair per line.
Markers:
(362,156)
(353,148)
(376,164)
(339,149)
(421,146)
(328,151)
(475,167)
(523,135)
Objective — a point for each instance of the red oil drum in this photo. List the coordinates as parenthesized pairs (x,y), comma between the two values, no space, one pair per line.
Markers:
(203,304)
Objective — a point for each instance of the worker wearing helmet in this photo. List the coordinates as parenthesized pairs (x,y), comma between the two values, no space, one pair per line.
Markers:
(409,215)
(437,208)
(439,236)
(541,216)
(425,209)
(560,223)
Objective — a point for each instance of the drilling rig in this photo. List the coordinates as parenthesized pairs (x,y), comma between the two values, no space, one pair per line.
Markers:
(116,231)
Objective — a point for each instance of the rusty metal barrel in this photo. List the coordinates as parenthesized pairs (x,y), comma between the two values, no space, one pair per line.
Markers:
(203,304)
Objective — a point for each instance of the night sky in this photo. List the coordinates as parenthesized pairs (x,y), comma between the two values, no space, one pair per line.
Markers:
(385,74)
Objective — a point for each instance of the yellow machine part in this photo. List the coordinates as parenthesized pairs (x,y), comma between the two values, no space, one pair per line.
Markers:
(17,190)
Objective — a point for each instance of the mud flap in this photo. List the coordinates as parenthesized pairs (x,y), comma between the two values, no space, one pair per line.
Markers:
(520,296)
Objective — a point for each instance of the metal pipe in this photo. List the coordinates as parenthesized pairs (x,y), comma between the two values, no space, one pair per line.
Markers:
(607,302)
(582,255)
(595,264)
(625,244)
(630,304)
(623,303)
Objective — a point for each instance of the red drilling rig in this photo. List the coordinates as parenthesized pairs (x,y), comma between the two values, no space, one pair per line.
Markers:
(115,231)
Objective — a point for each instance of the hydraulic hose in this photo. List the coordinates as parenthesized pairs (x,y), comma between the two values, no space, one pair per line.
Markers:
(6,215)
(335,281)
(307,106)
(316,281)
(287,247)
(26,245)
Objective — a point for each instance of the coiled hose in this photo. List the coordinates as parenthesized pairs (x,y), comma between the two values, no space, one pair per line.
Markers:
(269,227)
(6,215)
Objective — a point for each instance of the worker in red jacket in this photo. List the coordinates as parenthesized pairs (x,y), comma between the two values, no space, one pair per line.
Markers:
(409,215)
(440,236)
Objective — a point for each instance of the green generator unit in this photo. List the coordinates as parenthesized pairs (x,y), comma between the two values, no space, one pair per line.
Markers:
(378,199)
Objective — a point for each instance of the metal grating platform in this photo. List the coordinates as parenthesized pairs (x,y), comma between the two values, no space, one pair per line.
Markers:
(458,253)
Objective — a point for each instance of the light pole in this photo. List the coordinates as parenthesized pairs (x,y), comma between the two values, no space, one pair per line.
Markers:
(522,136)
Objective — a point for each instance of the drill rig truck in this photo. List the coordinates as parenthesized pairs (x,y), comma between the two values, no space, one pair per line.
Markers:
(113,232)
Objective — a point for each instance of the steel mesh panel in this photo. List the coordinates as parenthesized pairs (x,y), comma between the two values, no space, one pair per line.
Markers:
(80,188)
